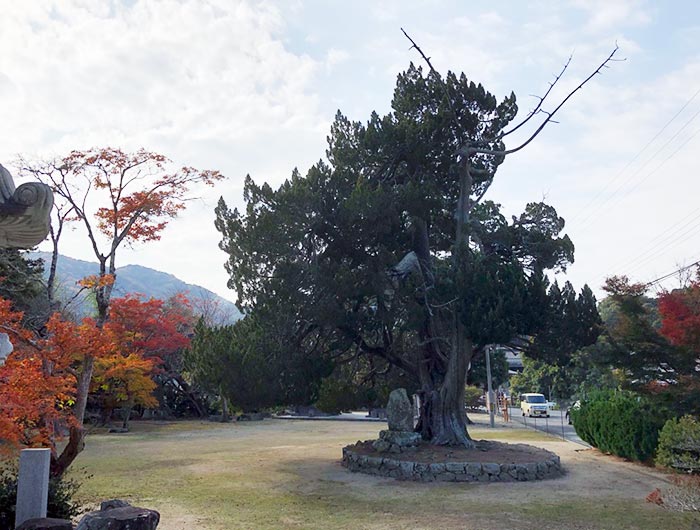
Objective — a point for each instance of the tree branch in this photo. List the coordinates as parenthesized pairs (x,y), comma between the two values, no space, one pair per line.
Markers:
(453,112)
(471,150)
(537,109)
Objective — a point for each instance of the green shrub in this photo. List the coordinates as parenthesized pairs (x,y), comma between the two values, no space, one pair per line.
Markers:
(336,396)
(679,445)
(621,423)
(60,505)
(472,394)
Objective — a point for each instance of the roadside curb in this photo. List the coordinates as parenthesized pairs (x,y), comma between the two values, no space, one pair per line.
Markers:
(330,418)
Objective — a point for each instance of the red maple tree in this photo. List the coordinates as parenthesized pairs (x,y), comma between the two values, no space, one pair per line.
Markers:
(680,316)
(119,198)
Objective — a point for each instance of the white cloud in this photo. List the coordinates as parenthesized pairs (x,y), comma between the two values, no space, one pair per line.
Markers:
(604,15)
(335,57)
(206,83)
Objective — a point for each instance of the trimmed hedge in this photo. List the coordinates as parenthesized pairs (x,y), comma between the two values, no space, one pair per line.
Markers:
(679,445)
(622,423)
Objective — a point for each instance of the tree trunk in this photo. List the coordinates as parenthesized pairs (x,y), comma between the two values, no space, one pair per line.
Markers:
(443,419)
(185,390)
(51,282)
(76,443)
(446,414)
(127,416)
(76,440)
(447,417)
(224,410)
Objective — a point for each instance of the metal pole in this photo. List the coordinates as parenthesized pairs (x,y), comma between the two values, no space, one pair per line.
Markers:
(488,385)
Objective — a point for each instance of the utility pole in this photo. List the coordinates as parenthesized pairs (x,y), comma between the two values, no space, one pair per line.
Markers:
(489,386)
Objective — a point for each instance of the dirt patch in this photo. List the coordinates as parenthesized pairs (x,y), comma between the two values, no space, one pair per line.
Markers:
(484,452)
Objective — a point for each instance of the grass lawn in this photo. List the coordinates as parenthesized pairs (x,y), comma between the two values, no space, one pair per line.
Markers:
(286,474)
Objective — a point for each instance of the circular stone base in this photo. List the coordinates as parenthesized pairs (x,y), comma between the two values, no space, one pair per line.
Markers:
(487,462)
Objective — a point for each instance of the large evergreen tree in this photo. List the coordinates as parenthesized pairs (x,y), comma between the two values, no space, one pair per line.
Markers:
(389,250)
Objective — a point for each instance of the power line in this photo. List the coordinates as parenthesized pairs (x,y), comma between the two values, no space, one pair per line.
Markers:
(666,276)
(671,231)
(640,168)
(672,243)
(610,182)
(681,146)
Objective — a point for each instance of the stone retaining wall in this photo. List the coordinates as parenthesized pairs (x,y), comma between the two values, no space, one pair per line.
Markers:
(386,466)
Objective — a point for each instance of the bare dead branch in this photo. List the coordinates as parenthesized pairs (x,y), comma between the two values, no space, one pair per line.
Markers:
(472,150)
(536,110)
(469,151)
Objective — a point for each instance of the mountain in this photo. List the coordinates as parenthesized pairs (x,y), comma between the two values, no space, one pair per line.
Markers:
(137,279)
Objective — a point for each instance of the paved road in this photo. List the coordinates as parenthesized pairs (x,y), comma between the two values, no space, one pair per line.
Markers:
(555,425)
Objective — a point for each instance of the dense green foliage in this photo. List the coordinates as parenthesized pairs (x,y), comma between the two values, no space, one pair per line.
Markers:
(499,369)
(253,369)
(340,396)
(564,382)
(538,376)
(60,504)
(621,423)
(679,445)
(357,386)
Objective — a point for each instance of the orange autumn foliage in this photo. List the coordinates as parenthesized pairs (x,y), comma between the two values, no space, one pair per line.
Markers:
(153,328)
(36,390)
(95,280)
(151,333)
(125,381)
(144,192)
(73,342)
(38,380)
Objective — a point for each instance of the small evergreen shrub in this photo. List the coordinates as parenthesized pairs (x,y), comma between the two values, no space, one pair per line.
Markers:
(60,505)
(620,423)
(336,396)
(472,395)
(679,445)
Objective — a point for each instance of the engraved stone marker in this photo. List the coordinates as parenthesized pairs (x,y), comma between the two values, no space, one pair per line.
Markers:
(32,485)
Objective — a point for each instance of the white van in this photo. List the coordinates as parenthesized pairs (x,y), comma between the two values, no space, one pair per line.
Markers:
(532,404)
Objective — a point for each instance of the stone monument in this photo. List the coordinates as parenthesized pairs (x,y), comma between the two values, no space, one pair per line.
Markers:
(33,484)
(400,435)
(24,212)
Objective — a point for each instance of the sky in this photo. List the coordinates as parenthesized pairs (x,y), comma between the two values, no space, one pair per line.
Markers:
(252,88)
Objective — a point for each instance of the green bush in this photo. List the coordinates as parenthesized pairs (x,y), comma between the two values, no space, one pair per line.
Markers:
(621,423)
(679,445)
(472,394)
(60,505)
(336,396)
